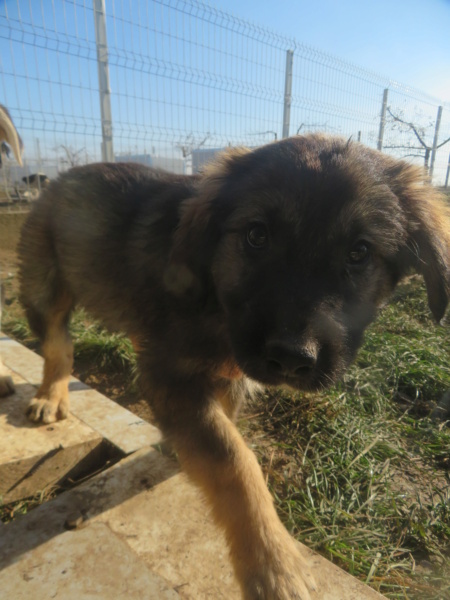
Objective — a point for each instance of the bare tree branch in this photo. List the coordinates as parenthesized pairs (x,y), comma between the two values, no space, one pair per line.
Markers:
(427,149)
(403,146)
(190,145)
(416,155)
(72,156)
(443,143)
(411,125)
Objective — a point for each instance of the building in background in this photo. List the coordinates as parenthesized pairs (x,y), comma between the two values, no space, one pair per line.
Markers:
(174,165)
(202,156)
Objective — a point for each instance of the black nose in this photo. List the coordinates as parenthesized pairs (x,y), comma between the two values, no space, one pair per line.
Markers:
(290,359)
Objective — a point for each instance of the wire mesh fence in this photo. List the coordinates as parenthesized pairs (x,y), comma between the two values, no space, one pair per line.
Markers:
(171,82)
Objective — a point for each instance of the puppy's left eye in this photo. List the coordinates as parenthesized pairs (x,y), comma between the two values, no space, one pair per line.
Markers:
(359,254)
(257,235)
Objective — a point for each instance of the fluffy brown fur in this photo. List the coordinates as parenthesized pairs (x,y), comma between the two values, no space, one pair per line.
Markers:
(267,268)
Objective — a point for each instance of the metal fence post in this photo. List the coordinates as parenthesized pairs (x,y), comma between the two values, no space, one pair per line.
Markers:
(287,93)
(448,172)
(103,79)
(435,141)
(382,120)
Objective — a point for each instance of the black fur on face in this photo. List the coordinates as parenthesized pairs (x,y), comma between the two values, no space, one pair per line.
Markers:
(306,238)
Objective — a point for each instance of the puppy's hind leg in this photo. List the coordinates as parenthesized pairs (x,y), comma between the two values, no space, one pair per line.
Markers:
(51,402)
(48,303)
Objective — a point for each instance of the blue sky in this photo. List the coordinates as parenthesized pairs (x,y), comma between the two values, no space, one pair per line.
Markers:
(183,73)
(407,40)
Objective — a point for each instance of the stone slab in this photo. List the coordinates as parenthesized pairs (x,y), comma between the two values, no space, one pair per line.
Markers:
(35,458)
(160,518)
(142,530)
(110,420)
(86,564)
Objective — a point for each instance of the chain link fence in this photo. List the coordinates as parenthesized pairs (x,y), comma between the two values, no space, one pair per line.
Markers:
(171,82)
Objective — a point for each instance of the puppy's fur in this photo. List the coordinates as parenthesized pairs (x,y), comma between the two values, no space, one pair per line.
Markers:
(268,267)
(8,135)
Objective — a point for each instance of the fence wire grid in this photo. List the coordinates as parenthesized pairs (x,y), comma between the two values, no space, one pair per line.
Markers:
(170,83)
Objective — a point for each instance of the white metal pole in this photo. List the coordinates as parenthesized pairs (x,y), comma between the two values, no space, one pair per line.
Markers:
(103,80)
(435,141)
(382,120)
(287,93)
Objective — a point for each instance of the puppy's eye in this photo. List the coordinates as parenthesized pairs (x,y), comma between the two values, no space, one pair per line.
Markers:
(257,235)
(359,254)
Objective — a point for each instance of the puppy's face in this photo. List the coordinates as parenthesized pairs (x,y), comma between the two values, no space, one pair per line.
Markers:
(307,238)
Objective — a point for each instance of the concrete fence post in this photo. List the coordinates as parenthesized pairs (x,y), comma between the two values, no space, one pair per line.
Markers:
(435,140)
(103,80)
(448,172)
(287,93)
(382,120)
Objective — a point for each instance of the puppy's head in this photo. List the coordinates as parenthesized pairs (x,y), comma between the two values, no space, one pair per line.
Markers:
(299,242)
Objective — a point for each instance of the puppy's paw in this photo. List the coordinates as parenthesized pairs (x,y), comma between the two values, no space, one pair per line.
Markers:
(6,385)
(48,410)
(287,577)
(280,586)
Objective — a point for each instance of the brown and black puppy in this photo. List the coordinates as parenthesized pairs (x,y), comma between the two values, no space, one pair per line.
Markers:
(267,268)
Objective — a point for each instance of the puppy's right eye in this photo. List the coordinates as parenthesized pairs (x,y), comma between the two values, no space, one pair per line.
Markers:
(257,235)
(359,254)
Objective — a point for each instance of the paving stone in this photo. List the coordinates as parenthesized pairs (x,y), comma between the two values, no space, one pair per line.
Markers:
(162,520)
(35,457)
(139,529)
(113,422)
(86,564)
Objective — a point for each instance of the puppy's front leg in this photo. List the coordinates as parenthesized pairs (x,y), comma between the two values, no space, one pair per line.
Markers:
(266,559)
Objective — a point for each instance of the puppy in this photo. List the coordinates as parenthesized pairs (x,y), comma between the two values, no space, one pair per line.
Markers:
(9,136)
(267,268)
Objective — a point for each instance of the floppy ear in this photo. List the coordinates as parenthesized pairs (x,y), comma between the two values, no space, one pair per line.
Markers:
(427,248)
(199,230)
(187,272)
(8,134)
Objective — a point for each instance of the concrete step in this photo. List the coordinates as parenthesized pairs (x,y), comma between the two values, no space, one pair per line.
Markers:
(138,529)
(94,563)
(36,457)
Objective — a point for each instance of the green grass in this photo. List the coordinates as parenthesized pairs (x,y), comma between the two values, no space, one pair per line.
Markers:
(358,472)
(109,351)
(9,512)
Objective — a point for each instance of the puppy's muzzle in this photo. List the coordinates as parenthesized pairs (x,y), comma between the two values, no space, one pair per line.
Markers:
(288,359)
